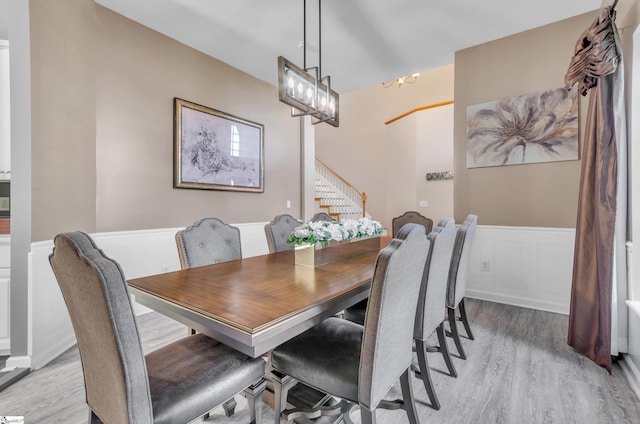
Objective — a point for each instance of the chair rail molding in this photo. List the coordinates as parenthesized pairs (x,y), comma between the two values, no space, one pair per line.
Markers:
(521,266)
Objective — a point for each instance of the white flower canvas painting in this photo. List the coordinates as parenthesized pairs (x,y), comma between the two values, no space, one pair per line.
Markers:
(533,128)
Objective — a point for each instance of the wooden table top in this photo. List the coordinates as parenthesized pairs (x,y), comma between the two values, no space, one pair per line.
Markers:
(256,303)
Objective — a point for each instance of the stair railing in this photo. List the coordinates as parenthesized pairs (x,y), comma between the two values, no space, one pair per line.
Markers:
(351,194)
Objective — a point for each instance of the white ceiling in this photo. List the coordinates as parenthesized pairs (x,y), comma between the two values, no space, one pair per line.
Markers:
(364,42)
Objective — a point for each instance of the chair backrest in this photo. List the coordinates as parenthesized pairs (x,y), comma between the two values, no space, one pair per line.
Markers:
(95,291)
(433,293)
(278,231)
(208,241)
(391,309)
(410,217)
(322,216)
(460,261)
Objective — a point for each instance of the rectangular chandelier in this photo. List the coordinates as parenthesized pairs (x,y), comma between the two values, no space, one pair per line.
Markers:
(307,94)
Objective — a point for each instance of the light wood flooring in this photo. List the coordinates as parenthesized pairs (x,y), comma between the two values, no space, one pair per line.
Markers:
(519,370)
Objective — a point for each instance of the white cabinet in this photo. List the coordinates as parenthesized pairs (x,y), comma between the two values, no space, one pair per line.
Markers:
(5,131)
(5,265)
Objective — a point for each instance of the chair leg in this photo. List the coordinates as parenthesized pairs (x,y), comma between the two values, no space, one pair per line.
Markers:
(229,407)
(253,394)
(454,332)
(425,374)
(465,321)
(444,349)
(407,395)
(367,416)
(281,384)
(93,418)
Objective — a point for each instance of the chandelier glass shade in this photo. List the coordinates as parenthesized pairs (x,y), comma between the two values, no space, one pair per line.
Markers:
(306,93)
(305,89)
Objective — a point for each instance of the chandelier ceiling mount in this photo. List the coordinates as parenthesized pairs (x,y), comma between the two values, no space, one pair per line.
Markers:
(407,79)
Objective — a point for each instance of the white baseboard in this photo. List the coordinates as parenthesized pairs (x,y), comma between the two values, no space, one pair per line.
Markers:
(17,362)
(139,309)
(51,352)
(632,374)
(558,308)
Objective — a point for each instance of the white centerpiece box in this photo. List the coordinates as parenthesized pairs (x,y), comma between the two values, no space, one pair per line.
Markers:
(318,255)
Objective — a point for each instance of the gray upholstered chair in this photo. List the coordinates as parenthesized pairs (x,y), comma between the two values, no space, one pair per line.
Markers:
(322,216)
(457,286)
(278,231)
(356,363)
(431,304)
(410,217)
(174,384)
(357,312)
(208,241)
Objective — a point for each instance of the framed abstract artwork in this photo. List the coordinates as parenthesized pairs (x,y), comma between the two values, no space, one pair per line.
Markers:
(540,127)
(216,151)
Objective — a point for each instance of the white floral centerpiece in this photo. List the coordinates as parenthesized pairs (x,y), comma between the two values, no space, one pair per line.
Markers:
(312,238)
(325,231)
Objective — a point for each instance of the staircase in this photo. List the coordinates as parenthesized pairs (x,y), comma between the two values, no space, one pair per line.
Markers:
(336,196)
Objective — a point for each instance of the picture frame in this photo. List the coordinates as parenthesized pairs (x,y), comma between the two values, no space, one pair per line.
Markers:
(214,150)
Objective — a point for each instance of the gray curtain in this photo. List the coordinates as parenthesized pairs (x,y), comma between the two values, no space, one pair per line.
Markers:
(597,68)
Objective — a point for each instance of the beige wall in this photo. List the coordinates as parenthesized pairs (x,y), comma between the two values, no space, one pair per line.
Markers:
(401,149)
(140,71)
(103,89)
(434,154)
(102,120)
(627,18)
(380,159)
(537,195)
(63,98)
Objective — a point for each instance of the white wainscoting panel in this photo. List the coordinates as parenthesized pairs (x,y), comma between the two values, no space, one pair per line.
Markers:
(631,363)
(253,239)
(139,253)
(522,266)
(50,329)
(528,267)
(142,252)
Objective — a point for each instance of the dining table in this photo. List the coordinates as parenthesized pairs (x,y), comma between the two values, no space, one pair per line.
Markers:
(255,304)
